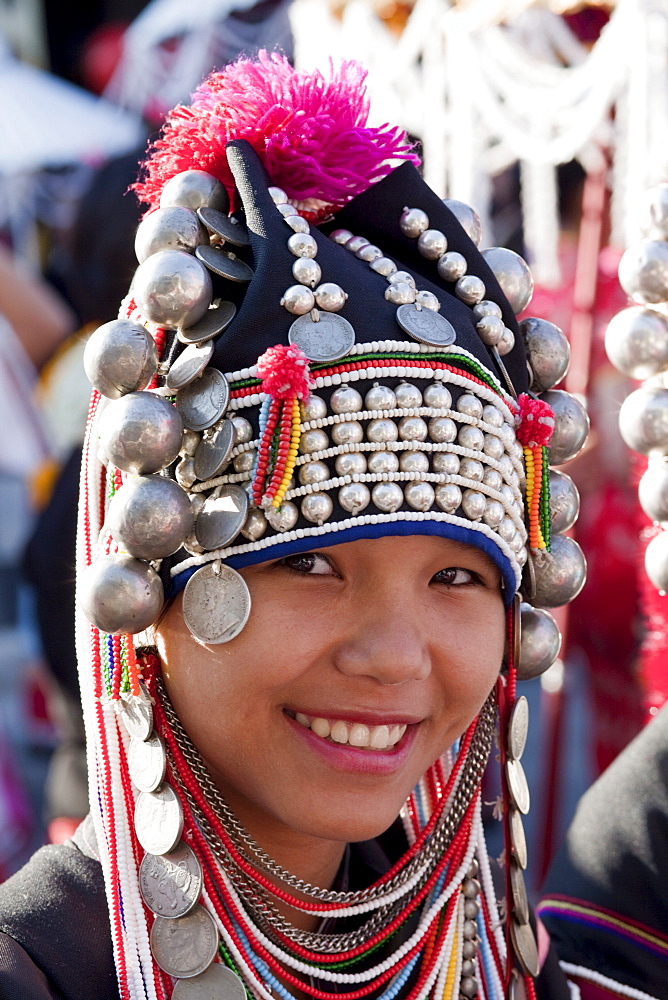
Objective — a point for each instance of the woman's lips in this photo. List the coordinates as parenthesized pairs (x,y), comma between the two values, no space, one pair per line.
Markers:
(354,734)
(349,745)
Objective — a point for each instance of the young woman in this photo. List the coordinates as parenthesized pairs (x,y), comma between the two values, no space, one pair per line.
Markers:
(312,479)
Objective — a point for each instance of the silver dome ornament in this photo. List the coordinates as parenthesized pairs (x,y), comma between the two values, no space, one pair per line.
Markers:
(467,218)
(282,518)
(656,561)
(277,195)
(654,212)
(314,408)
(302,245)
(491,329)
(194,189)
(408,395)
(313,472)
(297,224)
(487,308)
(120,595)
(306,271)
(369,253)
(506,342)
(384,266)
(173,228)
(298,300)
(348,432)
(243,430)
(255,526)
(643,271)
(561,575)
(494,513)
(469,405)
(432,244)
(571,426)
(451,266)
(564,502)
(471,437)
(141,433)
(340,236)
(436,394)
(317,507)
(403,277)
(446,462)
(185,472)
(351,464)
(540,642)
(473,504)
(412,429)
(419,496)
(470,468)
(244,462)
(548,350)
(387,497)
(448,497)
(317,440)
(470,289)
(512,274)
(383,462)
(120,357)
(330,296)
(492,446)
(354,497)
(636,342)
(400,293)
(380,397)
(150,517)
(643,420)
(356,243)
(172,288)
(428,301)
(653,490)
(381,431)
(345,399)
(413,222)
(414,461)
(493,479)
(189,442)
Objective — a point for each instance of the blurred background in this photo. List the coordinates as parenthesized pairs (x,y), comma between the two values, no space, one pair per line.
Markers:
(549,117)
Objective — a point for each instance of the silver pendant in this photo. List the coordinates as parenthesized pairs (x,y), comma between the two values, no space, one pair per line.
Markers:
(137,713)
(226,226)
(158,820)
(187,946)
(225,264)
(189,365)
(202,403)
(222,517)
(425,325)
(216,604)
(518,728)
(147,762)
(213,322)
(214,449)
(519,893)
(517,786)
(217,983)
(518,842)
(524,945)
(171,884)
(328,339)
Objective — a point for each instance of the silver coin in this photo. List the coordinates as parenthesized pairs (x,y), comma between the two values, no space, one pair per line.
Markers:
(214,449)
(524,945)
(158,820)
(225,264)
(137,713)
(216,604)
(170,884)
(517,785)
(425,325)
(213,322)
(331,338)
(518,728)
(147,762)
(519,893)
(189,365)
(217,983)
(202,403)
(518,841)
(222,517)
(187,946)
(227,227)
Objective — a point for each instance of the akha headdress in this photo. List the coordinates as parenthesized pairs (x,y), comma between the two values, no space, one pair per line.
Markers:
(313,350)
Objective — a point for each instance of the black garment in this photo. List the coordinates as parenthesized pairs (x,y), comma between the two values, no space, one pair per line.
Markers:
(55,939)
(614,864)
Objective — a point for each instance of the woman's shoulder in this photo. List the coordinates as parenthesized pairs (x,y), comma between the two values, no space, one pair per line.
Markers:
(54,928)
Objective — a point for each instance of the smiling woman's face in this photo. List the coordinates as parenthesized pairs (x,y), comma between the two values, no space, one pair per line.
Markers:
(360,664)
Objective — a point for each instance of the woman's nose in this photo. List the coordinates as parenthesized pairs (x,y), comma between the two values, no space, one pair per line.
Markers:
(389,645)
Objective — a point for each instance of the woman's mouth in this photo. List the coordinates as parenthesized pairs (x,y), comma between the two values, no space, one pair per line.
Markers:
(353,734)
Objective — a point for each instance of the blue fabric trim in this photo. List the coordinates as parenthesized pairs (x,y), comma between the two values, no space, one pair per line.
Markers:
(458,533)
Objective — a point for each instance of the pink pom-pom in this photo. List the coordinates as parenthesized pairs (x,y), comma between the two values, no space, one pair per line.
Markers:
(310,132)
(284,372)
(536,422)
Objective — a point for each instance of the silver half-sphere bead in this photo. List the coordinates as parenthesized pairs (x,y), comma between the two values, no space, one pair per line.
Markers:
(494,513)
(172,288)
(432,244)
(653,490)
(636,341)
(245,461)
(414,461)
(654,212)
(643,420)
(173,228)
(382,462)
(297,224)
(548,350)
(277,195)
(400,293)
(185,472)
(351,464)
(473,504)
(413,222)
(445,462)
(341,236)
(298,300)
(382,430)
(487,308)
(437,395)
(451,266)
(346,400)
(448,497)
(306,271)
(387,497)
(354,497)
(540,642)
(255,526)
(571,426)
(428,301)
(492,416)
(380,397)
(243,430)
(313,472)
(412,429)
(561,576)
(349,432)
(119,594)
(491,330)
(470,468)
(369,253)
(189,442)
(506,342)
(470,289)
(470,405)
(407,395)
(314,408)
(419,496)
(120,357)
(471,437)
(317,440)
(317,507)
(564,502)
(512,274)
(150,517)
(384,266)
(282,518)
(643,271)
(467,218)
(330,296)
(141,433)
(302,245)
(195,189)
(493,446)
(656,561)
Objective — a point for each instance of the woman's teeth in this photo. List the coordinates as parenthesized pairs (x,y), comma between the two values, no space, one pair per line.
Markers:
(355,734)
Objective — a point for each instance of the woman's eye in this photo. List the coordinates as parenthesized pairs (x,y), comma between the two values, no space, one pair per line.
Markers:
(311,563)
(455,576)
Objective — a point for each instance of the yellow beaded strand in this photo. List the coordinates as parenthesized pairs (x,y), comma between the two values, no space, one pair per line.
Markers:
(293,451)
(534,484)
